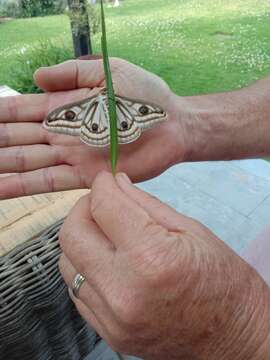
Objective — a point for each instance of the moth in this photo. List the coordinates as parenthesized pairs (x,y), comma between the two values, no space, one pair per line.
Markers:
(89,119)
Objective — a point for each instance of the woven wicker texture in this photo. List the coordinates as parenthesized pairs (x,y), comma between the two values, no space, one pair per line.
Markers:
(25,218)
(37,318)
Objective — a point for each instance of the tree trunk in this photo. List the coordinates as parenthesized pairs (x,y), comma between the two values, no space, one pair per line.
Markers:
(80,27)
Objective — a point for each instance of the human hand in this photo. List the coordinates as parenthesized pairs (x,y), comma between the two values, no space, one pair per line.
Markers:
(160,285)
(47,162)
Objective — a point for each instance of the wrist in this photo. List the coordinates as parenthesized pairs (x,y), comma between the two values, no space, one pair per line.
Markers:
(206,125)
(197,128)
(225,126)
(182,114)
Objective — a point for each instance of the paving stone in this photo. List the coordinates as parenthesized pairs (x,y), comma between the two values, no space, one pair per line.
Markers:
(196,204)
(225,196)
(261,214)
(230,185)
(256,167)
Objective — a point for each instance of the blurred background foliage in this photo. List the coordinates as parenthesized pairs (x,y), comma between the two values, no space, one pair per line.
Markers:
(197,46)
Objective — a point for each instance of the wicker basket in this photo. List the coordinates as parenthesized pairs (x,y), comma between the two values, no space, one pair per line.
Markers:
(37,318)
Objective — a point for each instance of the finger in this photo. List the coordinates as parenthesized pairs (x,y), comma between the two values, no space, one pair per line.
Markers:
(57,178)
(23,108)
(91,306)
(121,219)
(69,272)
(160,212)
(22,134)
(72,74)
(105,329)
(29,157)
(90,317)
(34,108)
(84,244)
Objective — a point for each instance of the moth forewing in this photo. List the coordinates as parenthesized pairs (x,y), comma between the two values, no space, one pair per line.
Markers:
(68,119)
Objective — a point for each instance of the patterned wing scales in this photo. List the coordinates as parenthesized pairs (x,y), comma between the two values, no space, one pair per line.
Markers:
(128,129)
(132,118)
(95,129)
(89,119)
(68,119)
(146,115)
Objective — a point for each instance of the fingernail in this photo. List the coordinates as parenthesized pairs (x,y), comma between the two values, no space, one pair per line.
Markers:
(38,71)
(123,177)
(41,68)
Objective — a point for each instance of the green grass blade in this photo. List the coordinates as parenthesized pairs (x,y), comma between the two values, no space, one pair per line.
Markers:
(111,95)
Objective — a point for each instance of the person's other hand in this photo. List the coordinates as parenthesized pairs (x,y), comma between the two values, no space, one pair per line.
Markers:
(46,162)
(160,285)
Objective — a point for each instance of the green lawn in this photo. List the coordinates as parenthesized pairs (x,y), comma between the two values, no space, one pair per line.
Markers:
(197,46)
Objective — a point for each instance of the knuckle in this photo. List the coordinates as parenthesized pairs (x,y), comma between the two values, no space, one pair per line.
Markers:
(22,184)
(20,159)
(152,229)
(79,175)
(4,135)
(48,180)
(12,108)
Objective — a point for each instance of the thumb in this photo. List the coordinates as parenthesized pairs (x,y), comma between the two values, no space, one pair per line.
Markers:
(157,210)
(72,74)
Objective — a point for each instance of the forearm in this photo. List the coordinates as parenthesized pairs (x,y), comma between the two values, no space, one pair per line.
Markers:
(224,126)
(241,326)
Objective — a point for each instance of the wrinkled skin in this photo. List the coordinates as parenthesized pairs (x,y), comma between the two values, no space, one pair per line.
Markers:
(160,285)
(49,162)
